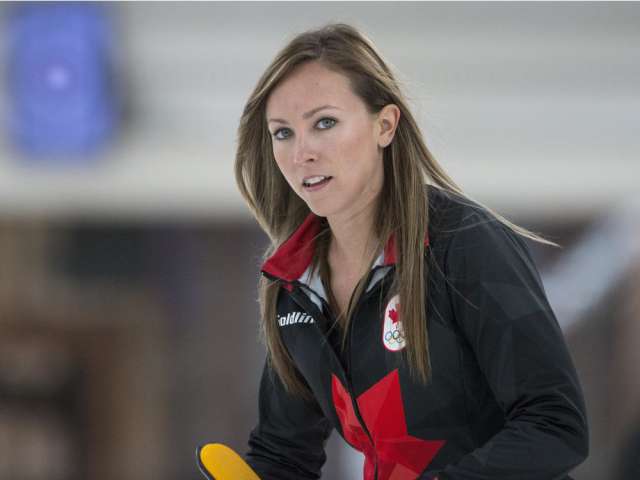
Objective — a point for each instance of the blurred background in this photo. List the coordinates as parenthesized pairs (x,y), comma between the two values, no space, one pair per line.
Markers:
(128,262)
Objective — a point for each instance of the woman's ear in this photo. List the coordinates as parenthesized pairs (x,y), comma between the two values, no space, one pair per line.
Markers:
(388,119)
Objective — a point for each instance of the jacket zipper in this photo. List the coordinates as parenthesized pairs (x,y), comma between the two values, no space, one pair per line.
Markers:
(354,404)
(347,377)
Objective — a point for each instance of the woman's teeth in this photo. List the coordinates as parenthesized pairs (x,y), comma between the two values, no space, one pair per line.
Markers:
(314,180)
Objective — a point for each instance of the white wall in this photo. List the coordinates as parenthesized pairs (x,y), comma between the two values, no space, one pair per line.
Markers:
(532,108)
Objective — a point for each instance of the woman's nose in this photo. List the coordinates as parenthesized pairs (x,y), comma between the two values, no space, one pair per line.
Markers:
(303,152)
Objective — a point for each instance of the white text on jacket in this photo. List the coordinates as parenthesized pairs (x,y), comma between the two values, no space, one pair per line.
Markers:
(295,317)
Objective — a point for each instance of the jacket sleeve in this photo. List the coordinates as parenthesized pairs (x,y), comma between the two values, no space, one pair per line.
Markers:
(288,442)
(501,308)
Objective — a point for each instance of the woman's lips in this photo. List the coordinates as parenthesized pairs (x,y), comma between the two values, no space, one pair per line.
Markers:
(317,186)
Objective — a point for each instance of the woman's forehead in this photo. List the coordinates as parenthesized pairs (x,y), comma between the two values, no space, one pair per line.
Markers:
(308,87)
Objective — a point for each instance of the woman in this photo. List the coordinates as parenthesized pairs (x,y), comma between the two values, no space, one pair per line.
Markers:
(395,309)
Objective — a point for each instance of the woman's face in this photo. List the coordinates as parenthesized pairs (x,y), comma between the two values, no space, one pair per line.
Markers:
(325,142)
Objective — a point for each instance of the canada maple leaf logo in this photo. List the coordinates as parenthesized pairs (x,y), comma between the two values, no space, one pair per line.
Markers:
(393,337)
(394,315)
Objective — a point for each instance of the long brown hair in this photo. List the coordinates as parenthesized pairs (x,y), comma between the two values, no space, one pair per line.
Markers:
(400,207)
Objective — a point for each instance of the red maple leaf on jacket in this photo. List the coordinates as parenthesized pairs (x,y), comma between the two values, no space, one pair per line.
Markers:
(393,314)
(399,456)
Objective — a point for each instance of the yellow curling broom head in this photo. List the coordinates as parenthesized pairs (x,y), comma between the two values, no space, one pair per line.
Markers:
(219,462)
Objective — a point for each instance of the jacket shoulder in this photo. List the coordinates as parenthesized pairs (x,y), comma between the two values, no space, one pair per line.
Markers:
(451,213)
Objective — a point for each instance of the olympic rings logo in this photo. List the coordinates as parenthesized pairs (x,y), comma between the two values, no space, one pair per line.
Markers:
(396,336)
(393,336)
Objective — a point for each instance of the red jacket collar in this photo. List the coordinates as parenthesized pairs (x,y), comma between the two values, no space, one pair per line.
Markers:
(294,256)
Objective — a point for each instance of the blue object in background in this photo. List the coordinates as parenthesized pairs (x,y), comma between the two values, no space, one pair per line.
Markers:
(60,81)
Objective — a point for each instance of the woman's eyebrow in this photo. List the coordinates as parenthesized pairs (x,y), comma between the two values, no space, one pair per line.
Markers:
(305,115)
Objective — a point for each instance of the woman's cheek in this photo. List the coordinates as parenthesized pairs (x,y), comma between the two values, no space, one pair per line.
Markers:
(282,167)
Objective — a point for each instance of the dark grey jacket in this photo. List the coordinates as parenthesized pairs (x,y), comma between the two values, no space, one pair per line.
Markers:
(504,402)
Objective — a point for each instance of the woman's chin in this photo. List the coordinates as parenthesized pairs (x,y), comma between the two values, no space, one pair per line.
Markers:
(317,210)
(321,210)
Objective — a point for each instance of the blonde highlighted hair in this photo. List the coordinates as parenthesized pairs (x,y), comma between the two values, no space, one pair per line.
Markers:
(402,208)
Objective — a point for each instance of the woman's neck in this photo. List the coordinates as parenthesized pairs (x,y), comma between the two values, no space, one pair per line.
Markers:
(353,242)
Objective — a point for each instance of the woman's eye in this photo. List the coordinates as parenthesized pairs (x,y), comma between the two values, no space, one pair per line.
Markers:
(323,123)
(277,132)
(330,122)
